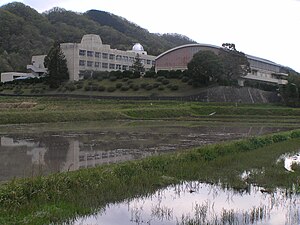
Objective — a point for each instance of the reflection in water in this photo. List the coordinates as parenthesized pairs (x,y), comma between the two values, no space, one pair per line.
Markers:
(23,155)
(199,203)
(290,160)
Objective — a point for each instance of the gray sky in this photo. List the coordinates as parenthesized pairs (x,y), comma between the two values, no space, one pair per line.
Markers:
(263,28)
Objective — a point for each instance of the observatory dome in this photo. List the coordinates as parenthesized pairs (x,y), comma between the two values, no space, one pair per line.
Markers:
(137,47)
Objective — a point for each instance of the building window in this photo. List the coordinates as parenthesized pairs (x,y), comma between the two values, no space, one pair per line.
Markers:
(254,72)
(153,63)
(97,54)
(118,67)
(111,56)
(81,62)
(148,61)
(125,58)
(111,66)
(97,64)
(104,65)
(89,63)
(131,59)
(90,53)
(124,67)
(119,57)
(104,56)
(82,52)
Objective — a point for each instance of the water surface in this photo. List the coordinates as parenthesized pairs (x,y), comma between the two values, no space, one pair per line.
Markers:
(203,204)
(30,150)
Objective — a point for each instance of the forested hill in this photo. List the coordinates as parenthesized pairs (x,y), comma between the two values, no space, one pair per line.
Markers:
(25,32)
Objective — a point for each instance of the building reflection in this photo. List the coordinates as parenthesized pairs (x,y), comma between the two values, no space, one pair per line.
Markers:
(41,154)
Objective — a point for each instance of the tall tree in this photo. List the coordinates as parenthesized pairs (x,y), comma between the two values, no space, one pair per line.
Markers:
(137,65)
(235,63)
(205,67)
(56,65)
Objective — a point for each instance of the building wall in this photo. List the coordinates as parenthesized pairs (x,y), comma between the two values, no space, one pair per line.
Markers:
(261,69)
(92,55)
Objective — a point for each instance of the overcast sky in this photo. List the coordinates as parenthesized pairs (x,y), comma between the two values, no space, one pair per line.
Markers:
(265,28)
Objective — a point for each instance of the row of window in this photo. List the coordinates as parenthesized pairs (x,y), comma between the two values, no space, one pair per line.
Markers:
(111,56)
(103,65)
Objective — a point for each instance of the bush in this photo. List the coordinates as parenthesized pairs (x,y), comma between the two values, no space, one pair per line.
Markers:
(155,85)
(174,87)
(79,85)
(113,78)
(95,87)
(165,82)
(124,88)
(101,88)
(87,88)
(160,79)
(161,88)
(184,79)
(144,85)
(119,85)
(125,79)
(149,87)
(135,87)
(111,89)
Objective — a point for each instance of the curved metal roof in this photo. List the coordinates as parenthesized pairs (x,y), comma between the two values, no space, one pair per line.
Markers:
(186,46)
(216,47)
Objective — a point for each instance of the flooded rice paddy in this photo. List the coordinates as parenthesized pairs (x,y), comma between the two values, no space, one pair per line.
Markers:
(30,150)
(200,203)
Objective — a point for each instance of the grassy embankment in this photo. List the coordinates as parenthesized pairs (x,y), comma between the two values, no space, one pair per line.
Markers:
(52,199)
(160,86)
(14,110)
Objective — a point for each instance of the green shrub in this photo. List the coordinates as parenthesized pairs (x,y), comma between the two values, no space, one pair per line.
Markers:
(119,85)
(160,79)
(174,87)
(124,88)
(161,88)
(144,85)
(125,79)
(149,87)
(135,87)
(184,79)
(155,85)
(111,89)
(113,78)
(101,88)
(87,88)
(79,85)
(165,82)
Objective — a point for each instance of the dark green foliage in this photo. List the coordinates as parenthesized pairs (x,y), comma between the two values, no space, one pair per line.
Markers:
(235,64)
(119,85)
(101,88)
(111,89)
(56,64)
(137,66)
(205,67)
(124,88)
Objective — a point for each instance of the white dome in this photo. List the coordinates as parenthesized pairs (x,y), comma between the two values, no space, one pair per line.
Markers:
(137,47)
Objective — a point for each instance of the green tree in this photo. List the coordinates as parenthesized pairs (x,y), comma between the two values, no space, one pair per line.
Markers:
(235,64)
(56,64)
(205,67)
(137,66)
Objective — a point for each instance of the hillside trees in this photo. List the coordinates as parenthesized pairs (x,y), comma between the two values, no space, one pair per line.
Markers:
(56,64)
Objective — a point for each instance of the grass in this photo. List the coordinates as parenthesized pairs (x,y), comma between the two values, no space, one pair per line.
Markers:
(15,110)
(57,197)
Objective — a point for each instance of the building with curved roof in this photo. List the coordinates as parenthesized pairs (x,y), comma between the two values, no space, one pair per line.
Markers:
(92,55)
(261,69)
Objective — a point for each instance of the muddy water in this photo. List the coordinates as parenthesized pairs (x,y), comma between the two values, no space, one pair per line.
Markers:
(200,203)
(38,150)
